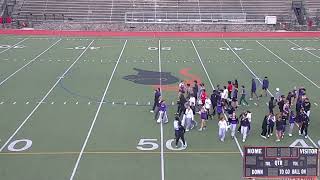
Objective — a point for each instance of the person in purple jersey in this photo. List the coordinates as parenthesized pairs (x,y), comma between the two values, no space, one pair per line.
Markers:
(233,120)
(204,118)
(245,123)
(163,112)
(219,108)
(292,120)
(265,86)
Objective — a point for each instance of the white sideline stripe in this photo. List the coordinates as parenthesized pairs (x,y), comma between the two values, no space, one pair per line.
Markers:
(96,115)
(304,49)
(199,57)
(316,104)
(29,62)
(289,65)
(246,66)
(260,80)
(161,124)
(38,104)
(13,45)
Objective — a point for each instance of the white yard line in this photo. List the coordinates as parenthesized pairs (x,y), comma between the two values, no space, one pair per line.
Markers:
(7,78)
(204,68)
(304,49)
(42,100)
(13,45)
(96,115)
(202,64)
(289,65)
(260,81)
(161,123)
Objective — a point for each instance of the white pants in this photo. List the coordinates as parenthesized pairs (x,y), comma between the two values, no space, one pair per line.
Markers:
(188,123)
(162,117)
(222,133)
(233,129)
(291,128)
(308,113)
(244,132)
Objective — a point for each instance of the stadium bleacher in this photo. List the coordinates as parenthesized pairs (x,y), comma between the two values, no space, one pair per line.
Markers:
(114,11)
(159,11)
(313,7)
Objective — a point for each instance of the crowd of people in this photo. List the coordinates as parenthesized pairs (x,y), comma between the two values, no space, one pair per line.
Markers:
(223,103)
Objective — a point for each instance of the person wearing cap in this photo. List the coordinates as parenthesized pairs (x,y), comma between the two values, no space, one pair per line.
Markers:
(265,86)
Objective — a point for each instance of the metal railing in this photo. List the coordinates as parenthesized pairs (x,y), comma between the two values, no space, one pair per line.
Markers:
(188,18)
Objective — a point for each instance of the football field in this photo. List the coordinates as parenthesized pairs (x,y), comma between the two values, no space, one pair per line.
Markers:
(78,108)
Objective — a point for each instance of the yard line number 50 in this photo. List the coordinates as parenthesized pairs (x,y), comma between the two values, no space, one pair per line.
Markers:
(152,144)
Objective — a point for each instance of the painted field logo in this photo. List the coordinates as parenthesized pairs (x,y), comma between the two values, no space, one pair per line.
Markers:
(151,77)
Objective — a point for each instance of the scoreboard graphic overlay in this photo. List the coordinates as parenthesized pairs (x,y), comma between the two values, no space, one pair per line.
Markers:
(280,162)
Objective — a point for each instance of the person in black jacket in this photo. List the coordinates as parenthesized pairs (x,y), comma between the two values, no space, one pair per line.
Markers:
(271,105)
(181,105)
(157,95)
(264,127)
(214,100)
(281,104)
(179,132)
(305,123)
(195,89)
